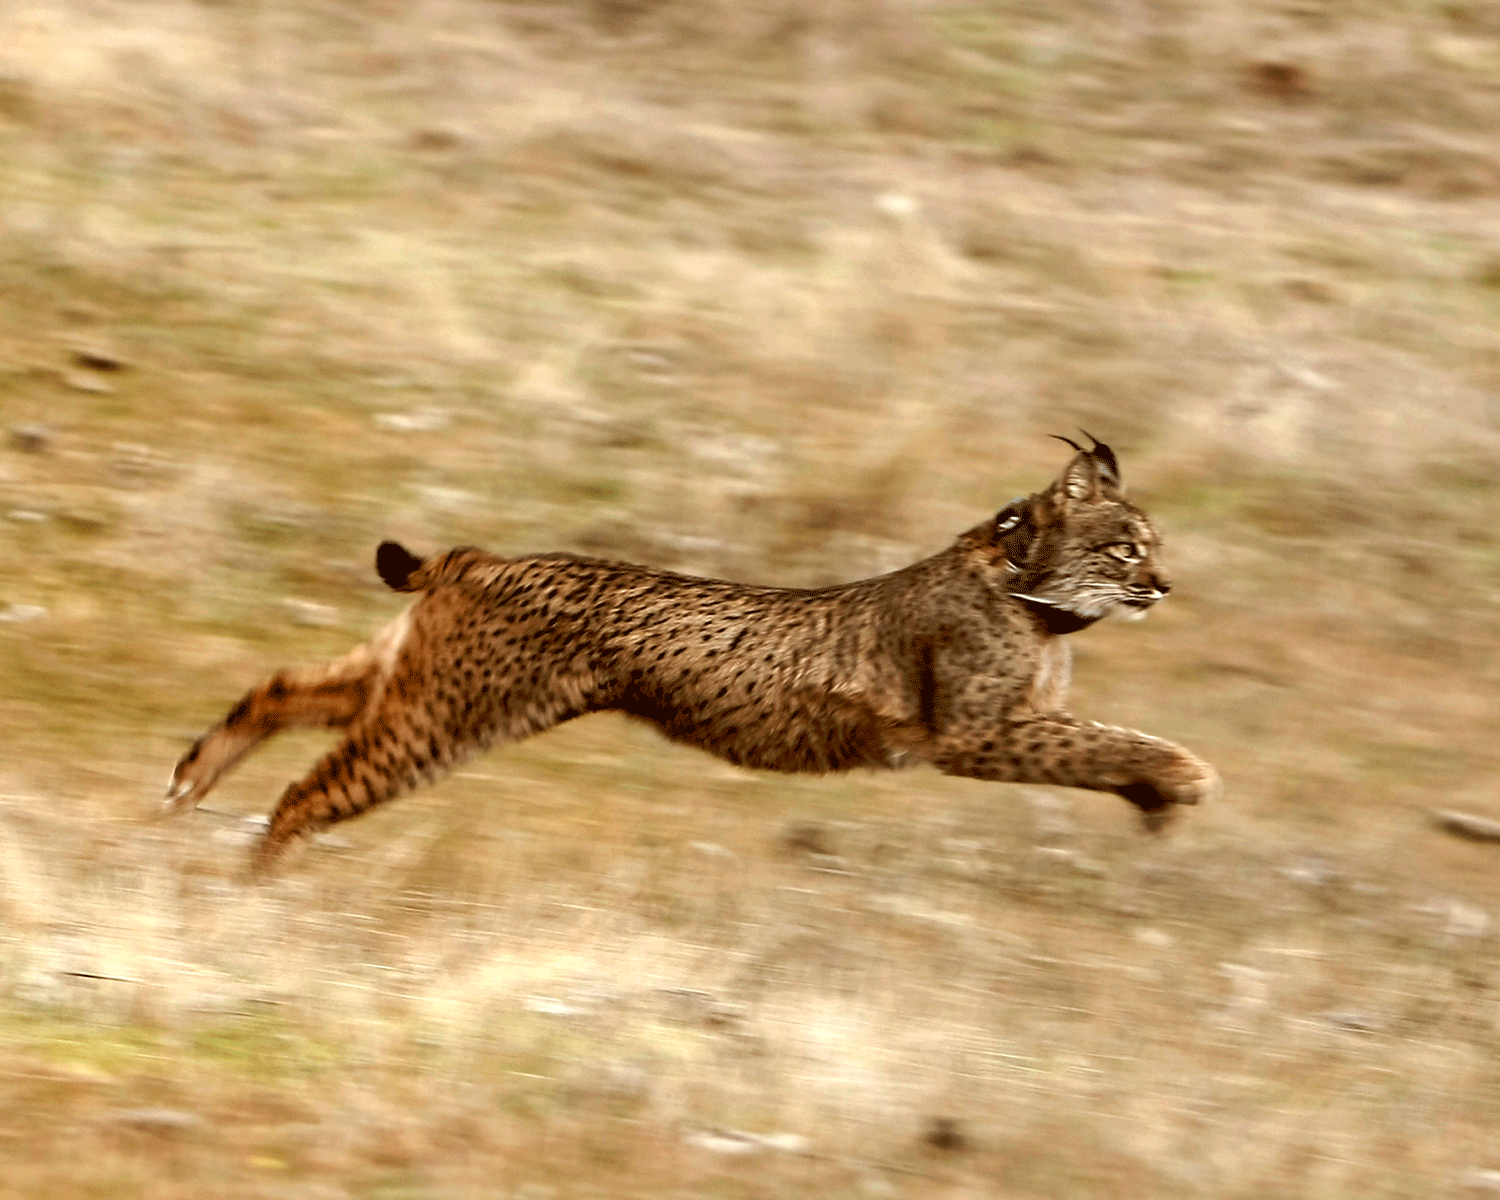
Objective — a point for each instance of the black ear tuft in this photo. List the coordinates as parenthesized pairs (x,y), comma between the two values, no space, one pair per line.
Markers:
(1106,457)
(395,564)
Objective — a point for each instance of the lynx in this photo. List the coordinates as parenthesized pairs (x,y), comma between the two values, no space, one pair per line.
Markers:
(959,661)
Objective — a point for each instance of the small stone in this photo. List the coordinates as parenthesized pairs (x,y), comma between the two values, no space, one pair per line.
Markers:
(735,1141)
(807,837)
(548,1006)
(721,1141)
(1050,817)
(1310,872)
(944,1133)
(649,360)
(158,1120)
(897,205)
(239,829)
(1250,985)
(96,358)
(621,1081)
(81,381)
(418,420)
(1465,920)
(235,836)
(82,310)
(1481,1179)
(450,499)
(723,1013)
(1472,53)
(897,905)
(1314,291)
(1353,1020)
(32,438)
(1467,825)
(310,613)
(1307,377)
(433,140)
(1081,863)
(83,520)
(790,1143)
(134,465)
(1285,81)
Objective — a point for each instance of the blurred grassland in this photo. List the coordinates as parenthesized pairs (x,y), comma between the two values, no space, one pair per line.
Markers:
(790,293)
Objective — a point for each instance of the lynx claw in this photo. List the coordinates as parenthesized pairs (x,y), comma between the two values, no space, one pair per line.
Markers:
(190,782)
(178,791)
(183,791)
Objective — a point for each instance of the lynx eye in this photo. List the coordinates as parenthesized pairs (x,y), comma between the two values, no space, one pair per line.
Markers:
(1126,551)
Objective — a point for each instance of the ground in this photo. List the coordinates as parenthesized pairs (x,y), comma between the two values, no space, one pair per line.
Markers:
(791,294)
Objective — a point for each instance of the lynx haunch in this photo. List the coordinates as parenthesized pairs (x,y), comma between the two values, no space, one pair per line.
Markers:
(959,660)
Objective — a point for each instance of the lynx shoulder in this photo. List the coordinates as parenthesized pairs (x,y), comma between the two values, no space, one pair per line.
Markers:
(959,661)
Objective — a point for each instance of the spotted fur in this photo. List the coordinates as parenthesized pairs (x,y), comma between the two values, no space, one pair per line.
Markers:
(958,660)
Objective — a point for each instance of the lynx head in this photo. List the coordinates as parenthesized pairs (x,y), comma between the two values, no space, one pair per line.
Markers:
(1078,550)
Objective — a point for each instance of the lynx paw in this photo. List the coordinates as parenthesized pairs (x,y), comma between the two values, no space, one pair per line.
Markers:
(1159,799)
(1205,787)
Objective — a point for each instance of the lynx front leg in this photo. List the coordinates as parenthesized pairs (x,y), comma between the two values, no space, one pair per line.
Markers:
(1153,774)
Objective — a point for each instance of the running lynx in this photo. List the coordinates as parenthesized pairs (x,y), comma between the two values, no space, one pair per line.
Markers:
(959,660)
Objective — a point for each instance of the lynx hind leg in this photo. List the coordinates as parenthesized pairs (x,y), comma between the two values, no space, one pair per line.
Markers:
(330,698)
(382,758)
(414,731)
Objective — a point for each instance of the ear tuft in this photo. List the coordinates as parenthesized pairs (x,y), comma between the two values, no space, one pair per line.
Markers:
(1093,472)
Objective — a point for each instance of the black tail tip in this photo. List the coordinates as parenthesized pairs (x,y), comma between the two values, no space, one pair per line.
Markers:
(396,564)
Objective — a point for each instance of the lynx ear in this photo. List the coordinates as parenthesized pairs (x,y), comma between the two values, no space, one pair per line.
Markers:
(1093,474)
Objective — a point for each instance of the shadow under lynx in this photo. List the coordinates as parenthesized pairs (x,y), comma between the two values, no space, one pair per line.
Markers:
(958,661)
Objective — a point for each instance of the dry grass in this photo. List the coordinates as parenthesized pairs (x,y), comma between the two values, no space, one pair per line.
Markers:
(792,293)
